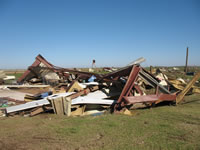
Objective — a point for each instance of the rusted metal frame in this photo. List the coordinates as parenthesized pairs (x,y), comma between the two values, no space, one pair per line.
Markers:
(80,74)
(38,60)
(134,84)
(149,98)
(63,75)
(143,78)
(138,89)
(131,79)
(116,74)
(131,87)
(38,69)
(33,71)
(129,83)
(36,63)
(157,90)
(63,70)
(44,61)
(116,78)
(124,97)
(131,92)
(153,81)
(88,74)
(166,97)
(79,77)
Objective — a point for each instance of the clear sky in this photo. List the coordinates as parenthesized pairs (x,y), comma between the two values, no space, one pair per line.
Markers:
(71,33)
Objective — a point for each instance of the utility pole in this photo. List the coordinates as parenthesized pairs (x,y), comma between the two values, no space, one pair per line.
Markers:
(186,63)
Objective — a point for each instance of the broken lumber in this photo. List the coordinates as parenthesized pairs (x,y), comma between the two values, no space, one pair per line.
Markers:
(180,96)
(36,111)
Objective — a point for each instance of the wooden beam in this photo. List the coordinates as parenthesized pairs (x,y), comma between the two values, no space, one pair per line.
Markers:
(67,106)
(37,111)
(180,96)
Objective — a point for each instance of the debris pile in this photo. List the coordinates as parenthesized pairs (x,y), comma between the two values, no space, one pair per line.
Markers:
(72,92)
(4,77)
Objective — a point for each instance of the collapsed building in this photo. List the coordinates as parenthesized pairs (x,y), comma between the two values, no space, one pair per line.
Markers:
(86,92)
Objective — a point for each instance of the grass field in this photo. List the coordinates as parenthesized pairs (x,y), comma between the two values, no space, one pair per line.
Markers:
(164,127)
(16,74)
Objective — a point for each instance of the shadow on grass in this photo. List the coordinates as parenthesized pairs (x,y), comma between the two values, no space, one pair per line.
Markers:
(191,101)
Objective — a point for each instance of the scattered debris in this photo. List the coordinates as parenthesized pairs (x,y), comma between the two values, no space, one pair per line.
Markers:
(4,77)
(72,92)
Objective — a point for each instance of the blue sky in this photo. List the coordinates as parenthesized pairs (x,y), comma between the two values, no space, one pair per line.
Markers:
(71,33)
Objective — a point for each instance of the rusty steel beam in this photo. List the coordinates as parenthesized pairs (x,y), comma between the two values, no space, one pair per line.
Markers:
(44,61)
(128,86)
(149,98)
(36,63)
(145,75)
(83,73)
(116,74)
(62,71)
(138,89)
(39,59)
(125,71)
(126,96)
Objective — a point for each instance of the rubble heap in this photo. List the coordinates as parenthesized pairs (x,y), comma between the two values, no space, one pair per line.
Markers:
(73,92)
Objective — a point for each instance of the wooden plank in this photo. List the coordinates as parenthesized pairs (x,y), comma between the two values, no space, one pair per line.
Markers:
(67,106)
(79,111)
(59,107)
(24,86)
(48,107)
(73,95)
(37,111)
(84,92)
(74,87)
(53,105)
(180,96)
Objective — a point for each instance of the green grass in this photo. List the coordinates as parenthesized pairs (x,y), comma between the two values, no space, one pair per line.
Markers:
(165,127)
(17,75)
